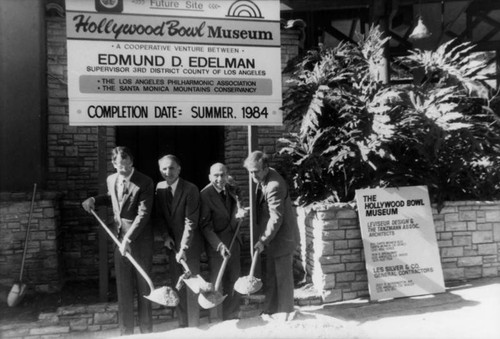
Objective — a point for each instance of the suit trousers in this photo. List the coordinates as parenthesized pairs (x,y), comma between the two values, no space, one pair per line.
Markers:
(129,282)
(188,311)
(279,284)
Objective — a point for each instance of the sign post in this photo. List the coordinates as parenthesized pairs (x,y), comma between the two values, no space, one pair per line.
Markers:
(399,240)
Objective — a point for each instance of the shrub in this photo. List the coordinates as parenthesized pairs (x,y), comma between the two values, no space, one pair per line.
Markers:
(353,131)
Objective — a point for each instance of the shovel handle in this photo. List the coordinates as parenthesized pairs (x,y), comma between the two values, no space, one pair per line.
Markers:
(141,271)
(221,273)
(127,254)
(113,237)
(240,221)
(226,259)
(185,265)
(27,233)
(254,262)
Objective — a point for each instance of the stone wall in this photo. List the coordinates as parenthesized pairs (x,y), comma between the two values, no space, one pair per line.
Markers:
(468,234)
(42,267)
(72,162)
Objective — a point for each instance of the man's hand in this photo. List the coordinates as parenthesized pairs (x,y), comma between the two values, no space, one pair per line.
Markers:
(242,213)
(125,246)
(223,250)
(180,256)
(259,246)
(169,243)
(89,204)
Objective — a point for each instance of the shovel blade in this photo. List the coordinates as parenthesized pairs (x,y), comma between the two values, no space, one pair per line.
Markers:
(165,296)
(210,299)
(16,294)
(247,285)
(197,284)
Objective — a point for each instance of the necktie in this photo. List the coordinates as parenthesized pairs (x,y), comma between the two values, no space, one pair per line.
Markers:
(170,198)
(122,189)
(223,195)
(258,193)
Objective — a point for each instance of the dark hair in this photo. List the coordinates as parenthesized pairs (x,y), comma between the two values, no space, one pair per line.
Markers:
(171,157)
(256,157)
(122,151)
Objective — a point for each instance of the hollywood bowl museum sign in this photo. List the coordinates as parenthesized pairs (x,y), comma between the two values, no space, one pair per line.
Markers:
(158,62)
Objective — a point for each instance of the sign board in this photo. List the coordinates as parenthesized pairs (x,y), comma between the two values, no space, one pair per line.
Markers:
(156,62)
(399,240)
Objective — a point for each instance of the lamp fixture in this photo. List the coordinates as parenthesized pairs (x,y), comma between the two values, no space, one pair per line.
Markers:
(420,31)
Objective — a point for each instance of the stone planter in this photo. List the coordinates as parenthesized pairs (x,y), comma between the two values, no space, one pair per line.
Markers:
(468,234)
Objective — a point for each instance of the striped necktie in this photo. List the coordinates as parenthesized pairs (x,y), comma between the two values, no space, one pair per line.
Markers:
(122,189)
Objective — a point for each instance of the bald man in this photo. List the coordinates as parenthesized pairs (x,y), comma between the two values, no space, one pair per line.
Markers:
(220,211)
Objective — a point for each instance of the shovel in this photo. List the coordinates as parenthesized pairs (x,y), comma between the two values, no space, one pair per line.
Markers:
(17,291)
(195,282)
(249,284)
(165,295)
(214,298)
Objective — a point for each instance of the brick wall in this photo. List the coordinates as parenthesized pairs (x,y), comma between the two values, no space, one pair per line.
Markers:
(468,234)
(72,162)
(42,267)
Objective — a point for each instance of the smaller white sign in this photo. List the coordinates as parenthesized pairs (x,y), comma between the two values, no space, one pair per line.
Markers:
(399,240)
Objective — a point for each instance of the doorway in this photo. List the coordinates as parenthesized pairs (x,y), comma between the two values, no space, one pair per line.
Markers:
(197,147)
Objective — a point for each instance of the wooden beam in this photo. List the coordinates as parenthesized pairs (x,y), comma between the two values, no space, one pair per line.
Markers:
(483,5)
(487,45)
(322,5)
(337,34)
(399,39)
(497,61)
(484,17)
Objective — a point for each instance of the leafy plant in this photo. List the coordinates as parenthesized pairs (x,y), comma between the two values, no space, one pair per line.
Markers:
(353,131)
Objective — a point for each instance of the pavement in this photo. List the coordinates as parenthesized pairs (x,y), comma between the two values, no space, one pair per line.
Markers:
(465,311)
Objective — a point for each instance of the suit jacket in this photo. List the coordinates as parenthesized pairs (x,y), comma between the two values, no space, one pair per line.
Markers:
(182,222)
(276,216)
(134,212)
(218,217)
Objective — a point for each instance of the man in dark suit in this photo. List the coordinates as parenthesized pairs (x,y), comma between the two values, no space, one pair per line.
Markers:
(220,209)
(131,195)
(178,208)
(280,234)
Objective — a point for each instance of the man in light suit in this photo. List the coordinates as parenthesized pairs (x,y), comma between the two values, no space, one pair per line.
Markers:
(280,233)
(220,209)
(131,195)
(178,208)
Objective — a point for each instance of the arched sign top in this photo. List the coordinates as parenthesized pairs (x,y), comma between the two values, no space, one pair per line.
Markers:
(244,8)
